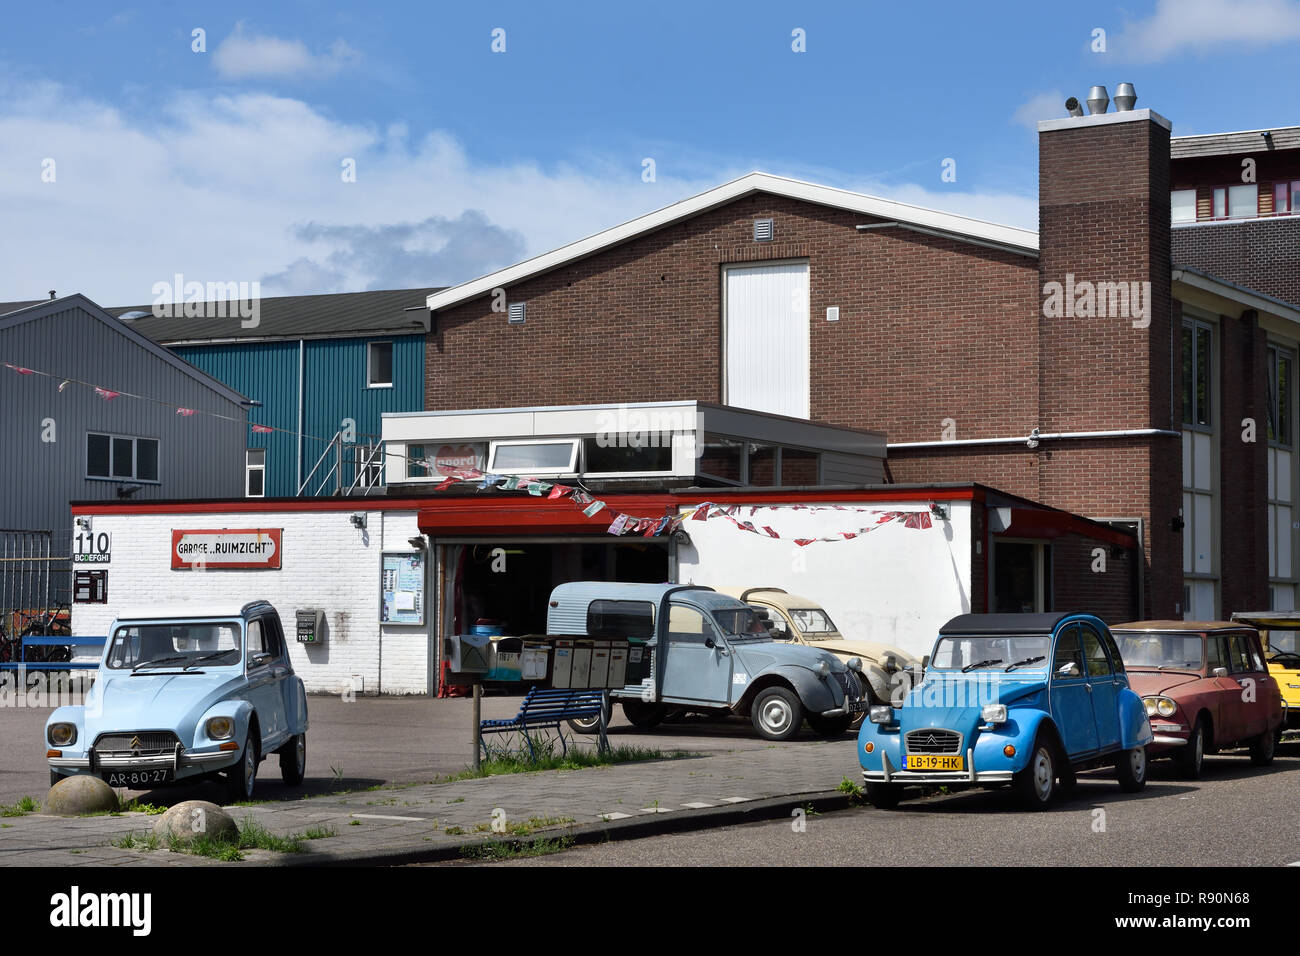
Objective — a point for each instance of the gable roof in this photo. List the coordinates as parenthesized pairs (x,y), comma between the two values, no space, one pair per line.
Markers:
(1022,241)
(49,307)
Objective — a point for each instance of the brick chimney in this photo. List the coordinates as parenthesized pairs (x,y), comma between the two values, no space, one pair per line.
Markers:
(1106,330)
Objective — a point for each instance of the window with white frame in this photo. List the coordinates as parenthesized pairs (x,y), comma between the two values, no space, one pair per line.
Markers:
(1182,205)
(1200,554)
(1281,468)
(121,457)
(542,458)
(379,364)
(255,473)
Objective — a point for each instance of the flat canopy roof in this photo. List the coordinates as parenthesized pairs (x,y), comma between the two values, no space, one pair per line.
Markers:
(1193,626)
(1269,620)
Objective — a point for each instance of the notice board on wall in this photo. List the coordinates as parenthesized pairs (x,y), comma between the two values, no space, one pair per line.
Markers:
(401,588)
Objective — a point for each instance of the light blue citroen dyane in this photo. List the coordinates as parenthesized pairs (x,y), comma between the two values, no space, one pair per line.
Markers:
(184,694)
(1010,699)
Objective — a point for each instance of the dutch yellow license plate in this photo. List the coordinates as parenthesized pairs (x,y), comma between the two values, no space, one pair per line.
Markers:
(933,762)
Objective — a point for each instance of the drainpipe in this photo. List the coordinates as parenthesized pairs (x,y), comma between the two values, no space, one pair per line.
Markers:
(1034,437)
(302,367)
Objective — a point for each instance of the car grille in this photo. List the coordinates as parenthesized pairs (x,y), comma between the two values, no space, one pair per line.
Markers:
(144,743)
(932,741)
(849,683)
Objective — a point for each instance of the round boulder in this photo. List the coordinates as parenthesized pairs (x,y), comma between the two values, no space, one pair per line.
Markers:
(191,819)
(78,794)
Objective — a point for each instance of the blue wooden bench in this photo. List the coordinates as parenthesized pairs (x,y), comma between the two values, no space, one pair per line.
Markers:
(58,640)
(544,710)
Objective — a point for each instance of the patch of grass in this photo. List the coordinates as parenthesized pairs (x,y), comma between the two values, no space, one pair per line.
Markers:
(354,823)
(319,833)
(244,803)
(503,762)
(457,800)
(205,845)
(133,841)
(5,825)
(526,827)
(454,831)
(502,850)
(810,811)
(337,771)
(252,836)
(20,808)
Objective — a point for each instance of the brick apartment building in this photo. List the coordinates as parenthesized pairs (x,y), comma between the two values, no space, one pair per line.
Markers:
(953,337)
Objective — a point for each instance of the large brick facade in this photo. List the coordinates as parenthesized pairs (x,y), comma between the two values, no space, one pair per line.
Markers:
(937,339)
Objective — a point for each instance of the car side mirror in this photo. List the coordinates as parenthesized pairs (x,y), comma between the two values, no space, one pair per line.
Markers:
(710,642)
(1068,670)
(1219,672)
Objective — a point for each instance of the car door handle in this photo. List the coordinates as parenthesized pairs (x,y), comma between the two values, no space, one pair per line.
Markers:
(1089,686)
(279,672)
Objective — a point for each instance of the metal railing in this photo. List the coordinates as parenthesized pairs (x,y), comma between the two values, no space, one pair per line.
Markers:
(34,583)
(354,469)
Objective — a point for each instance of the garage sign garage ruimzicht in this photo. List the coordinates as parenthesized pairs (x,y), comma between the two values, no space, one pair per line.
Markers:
(236,549)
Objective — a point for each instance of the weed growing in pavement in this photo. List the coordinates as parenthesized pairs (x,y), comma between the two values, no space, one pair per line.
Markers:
(252,836)
(500,850)
(854,790)
(20,808)
(454,831)
(502,762)
(354,823)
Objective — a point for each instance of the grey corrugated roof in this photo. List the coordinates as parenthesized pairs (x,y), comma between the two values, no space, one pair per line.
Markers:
(1228,144)
(297,316)
(383,312)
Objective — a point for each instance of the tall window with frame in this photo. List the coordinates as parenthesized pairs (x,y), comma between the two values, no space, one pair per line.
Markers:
(255,473)
(1200,555)
(1281,471)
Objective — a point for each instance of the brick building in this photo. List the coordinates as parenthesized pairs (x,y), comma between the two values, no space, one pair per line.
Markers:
(1084,366)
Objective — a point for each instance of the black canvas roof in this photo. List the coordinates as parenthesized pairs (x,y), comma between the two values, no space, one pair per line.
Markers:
(1004,623)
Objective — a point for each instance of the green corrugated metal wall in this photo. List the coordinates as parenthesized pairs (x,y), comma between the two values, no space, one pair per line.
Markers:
(335,389)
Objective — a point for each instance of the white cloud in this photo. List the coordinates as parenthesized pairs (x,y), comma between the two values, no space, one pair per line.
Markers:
(248,187)
(1199,26)
(244,56)
(1040,106)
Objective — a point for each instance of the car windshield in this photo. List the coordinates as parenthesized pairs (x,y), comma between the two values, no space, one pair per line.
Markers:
(145,646)
(986,652)
(740,622)
(1284,642)
(813,622)
(1156,649)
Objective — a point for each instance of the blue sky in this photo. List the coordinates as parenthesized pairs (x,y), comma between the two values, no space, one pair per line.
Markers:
(224,165)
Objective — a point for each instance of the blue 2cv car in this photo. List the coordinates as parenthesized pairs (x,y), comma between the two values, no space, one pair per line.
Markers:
(1010,699)
(186,694)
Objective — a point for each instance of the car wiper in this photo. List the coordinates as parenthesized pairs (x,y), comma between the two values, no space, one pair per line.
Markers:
(971,667)
(159,662)
(1027,660)
(208,657)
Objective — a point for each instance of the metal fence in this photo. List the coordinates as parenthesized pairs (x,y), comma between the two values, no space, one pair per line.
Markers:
(34,582)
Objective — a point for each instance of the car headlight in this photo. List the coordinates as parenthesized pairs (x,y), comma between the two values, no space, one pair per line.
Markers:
(219,728)
(854,664)
(1165,707)
(822,669)
(994,714)
(62,735)
(881,714)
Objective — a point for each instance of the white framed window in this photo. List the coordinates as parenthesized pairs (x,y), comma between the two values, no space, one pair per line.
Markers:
(539,457)
(255,473)
(121,457)
(1182,203)
(1200,470)
(1243,201)
(766,321)
(379,364)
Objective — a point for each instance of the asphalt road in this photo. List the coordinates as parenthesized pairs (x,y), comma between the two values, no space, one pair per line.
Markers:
(1236,815)
(371,740)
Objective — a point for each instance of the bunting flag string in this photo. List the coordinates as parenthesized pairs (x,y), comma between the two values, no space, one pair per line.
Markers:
(621,524)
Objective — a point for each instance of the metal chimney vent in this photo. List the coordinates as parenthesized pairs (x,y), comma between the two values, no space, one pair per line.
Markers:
(518,313)
(1098,100)
(1125,97)
(764,230)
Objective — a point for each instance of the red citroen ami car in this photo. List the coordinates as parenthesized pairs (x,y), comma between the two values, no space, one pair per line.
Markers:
(1206,688)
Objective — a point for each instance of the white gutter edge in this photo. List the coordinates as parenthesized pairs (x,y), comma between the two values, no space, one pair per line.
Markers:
(1037,437)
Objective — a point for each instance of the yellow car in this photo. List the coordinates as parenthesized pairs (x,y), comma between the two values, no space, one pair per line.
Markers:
(800,620)
(1281,633)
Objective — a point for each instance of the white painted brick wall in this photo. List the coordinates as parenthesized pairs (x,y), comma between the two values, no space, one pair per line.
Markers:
(326,563)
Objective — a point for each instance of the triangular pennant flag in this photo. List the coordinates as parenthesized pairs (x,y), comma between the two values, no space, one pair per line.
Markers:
(19,369)
(538,488)
(701,513)
(618,524)
(559,491)
(591,510)
(186,412)
(260,429)
(804,542)
(510,483)
(107,394)
(770,532)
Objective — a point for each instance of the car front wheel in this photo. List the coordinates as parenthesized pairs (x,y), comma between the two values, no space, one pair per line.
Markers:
(1037,782)
(242,777)
(293,760)
(1191,759)
(1131,768)
(777,713)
